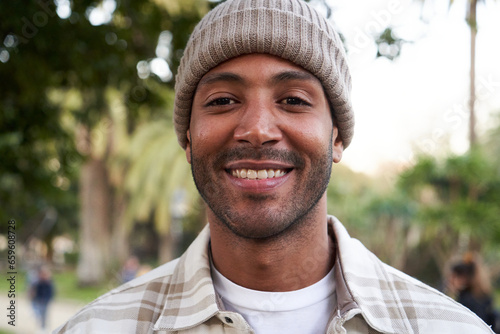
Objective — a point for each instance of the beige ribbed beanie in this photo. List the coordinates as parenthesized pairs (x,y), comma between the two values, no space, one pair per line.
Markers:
(289,29)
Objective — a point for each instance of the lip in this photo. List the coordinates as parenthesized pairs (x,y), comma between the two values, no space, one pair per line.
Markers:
(258,185)
(258,165)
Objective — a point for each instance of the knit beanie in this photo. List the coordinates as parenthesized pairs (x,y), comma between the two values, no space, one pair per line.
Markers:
(289,29)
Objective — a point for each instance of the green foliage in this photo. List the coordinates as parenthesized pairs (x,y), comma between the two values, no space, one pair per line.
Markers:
(38,156)
(349,194)
(389,45)
(457,196)
(47,60)
(492,143)
(66,284)
(158,169)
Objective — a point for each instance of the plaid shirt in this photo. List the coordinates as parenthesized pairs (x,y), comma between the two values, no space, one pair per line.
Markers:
(179,297)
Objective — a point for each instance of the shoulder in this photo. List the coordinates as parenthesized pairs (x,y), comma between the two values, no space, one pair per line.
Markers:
(133,305)
(392,301)
(161,296)
(435,312)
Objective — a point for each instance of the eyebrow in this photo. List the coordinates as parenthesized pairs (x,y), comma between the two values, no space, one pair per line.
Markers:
(276,79)
(292,75)
(217,77)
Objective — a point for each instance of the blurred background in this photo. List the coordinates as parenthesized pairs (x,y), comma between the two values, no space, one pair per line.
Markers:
(101,192)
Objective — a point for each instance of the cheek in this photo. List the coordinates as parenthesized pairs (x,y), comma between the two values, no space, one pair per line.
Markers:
(210,134)
(313,136)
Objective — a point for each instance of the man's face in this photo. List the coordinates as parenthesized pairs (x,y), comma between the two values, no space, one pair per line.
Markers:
(261,144)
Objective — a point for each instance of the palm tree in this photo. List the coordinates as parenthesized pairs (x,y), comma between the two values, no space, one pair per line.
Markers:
(157,171)
(471,19)
(472,22)
(103,241)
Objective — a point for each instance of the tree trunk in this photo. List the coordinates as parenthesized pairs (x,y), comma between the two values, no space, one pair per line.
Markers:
(472,93)
(95,199)
(120,247)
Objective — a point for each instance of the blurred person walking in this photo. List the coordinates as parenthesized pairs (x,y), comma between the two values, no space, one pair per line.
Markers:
(130,269)
(472,288)
(42,292)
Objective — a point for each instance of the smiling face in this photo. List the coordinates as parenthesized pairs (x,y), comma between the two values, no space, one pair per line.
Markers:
(261,144)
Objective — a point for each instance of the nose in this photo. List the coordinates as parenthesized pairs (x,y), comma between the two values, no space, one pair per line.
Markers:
(258,125)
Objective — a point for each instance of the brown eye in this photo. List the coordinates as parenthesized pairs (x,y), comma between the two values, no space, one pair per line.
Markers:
(295,101)
(223,101)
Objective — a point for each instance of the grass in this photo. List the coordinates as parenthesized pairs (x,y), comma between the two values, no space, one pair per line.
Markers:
(66,287)
(20,283)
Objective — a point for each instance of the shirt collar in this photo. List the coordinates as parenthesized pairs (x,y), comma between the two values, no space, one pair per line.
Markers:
(365,283)
(191,298)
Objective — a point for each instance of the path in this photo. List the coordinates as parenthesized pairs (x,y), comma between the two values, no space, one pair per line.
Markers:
(59,311)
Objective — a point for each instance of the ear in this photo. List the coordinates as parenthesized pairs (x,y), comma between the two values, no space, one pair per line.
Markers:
(337,145)
(188,147)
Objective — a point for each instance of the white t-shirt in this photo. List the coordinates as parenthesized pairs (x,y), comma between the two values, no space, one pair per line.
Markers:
(302,311)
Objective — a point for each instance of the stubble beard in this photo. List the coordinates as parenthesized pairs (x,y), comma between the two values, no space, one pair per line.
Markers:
(263,222)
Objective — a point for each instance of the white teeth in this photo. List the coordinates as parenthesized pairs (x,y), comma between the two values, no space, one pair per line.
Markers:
(262,174)
(253,174)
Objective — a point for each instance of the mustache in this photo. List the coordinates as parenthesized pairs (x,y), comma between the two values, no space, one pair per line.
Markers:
(248,153)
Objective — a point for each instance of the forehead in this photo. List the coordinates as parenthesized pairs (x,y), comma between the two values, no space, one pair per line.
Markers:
(257,66)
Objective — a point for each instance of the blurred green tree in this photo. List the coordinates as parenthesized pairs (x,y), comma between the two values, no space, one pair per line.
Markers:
(84,50)
(158,181)
(457,203)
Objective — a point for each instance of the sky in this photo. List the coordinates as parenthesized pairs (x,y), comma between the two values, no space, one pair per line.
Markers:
(419,102)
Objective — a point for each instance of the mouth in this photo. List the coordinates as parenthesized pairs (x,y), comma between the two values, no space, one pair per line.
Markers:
(258,174)
(258,177)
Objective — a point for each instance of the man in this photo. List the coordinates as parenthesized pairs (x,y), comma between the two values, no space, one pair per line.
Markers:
(263,110)
(41,293)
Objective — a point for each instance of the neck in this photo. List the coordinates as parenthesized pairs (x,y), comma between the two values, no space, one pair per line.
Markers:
(296,258)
